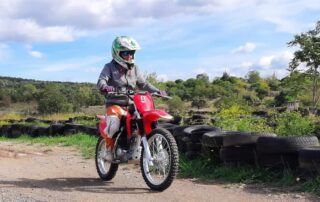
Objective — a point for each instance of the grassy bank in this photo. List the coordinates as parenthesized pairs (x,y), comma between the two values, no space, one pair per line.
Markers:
(207,169)
(85,143)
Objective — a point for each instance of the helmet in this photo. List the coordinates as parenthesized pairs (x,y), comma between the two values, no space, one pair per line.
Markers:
(124,43)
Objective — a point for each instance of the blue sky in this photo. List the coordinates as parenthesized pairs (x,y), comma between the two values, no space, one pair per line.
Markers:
(70,40)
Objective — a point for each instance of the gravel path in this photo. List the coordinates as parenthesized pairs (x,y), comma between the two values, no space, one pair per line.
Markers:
(37,173)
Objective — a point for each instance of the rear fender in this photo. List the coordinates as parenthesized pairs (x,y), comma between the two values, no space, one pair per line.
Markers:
(150,117)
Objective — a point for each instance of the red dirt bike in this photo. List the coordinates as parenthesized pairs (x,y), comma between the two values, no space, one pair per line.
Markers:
(140,140)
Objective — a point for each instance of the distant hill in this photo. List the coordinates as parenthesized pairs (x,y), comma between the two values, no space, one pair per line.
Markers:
(51,96)
(6,81)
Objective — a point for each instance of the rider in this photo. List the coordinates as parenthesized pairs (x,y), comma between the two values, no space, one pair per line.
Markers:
(121,72)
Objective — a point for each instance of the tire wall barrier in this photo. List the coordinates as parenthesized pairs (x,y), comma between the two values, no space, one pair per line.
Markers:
(251,148)
(228,147)
(24,127)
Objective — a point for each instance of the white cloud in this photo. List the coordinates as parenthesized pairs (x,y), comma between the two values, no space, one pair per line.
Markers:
(163,77)
(36,54)
(65,20)
(246,48)
(276,60)
(77,64)
(33,53)
(27,30)
(275,63)
(246,64)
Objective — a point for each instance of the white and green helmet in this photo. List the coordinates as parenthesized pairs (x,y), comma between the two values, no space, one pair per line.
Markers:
(124,43)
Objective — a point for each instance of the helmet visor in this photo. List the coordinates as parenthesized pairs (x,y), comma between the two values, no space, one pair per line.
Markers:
(127,53)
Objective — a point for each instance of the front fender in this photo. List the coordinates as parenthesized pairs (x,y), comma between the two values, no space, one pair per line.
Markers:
(151,116)
(102,125)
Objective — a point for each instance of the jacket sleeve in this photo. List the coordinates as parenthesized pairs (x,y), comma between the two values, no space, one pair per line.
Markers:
(105,75)
(143,84)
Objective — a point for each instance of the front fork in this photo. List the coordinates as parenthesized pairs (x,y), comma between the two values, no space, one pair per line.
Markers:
(147,152)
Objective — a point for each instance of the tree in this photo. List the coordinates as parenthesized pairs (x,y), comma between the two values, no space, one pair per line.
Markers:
(26,92)
(253,77)
(52,101)
(308,53)
(295,86)
(204,77)
(199,103)
(273,82)
(176,105)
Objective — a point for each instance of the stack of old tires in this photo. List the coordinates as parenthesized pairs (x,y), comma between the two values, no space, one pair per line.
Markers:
(189,138)
(264,149)
(309,159)
(283,152)
(234,147)
(15,130)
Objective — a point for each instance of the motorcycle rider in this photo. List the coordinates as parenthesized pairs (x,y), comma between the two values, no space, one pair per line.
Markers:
(121,72)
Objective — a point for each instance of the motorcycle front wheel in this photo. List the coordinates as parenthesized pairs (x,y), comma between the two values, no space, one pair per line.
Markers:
(160,174)
(105,169)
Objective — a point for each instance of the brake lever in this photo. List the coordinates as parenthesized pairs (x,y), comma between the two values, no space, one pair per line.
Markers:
(162,96)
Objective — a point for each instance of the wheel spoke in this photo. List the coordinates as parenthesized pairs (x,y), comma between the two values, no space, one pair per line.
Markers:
(160,151)
(103,165)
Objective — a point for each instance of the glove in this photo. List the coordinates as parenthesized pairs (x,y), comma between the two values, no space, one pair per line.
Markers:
(108,89)
(163,93)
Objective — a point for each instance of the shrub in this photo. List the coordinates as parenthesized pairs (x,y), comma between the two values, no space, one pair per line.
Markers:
(176,105)
(239,119)
(292,123)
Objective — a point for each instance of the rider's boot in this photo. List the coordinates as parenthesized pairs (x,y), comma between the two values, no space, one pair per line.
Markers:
(109,145)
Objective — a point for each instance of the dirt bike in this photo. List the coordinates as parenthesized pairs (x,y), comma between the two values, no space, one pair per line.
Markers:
(141,141)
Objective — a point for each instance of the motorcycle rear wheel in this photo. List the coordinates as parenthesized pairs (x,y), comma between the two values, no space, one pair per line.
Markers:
(164,151)
(105,169)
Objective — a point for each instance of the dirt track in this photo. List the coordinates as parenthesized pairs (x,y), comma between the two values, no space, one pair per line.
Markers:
(37,173)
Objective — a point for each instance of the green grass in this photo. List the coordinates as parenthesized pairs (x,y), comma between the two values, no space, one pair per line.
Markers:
(85,143)
(60,116)
(313,185)
(87,122)
(35,123)
(2,123)
(208,169)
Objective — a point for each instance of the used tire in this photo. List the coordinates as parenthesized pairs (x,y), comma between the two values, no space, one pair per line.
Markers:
(43,131)
(15,131)
(195,132)
(192,155)
(169,126)
(309,158)
(278,161)
(190,146)
(178,136)
(178,131)
(272,145)
(33,131)
(238,155)
(235,138)
(213,139)
(56,129)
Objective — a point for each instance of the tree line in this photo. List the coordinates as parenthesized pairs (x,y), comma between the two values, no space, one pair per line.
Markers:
(227,90)
(51,97)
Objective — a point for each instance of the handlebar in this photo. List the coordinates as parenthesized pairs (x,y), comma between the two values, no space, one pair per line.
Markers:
(123,91)
(162,96)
